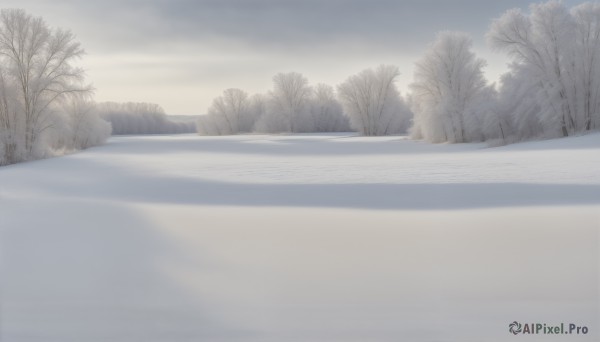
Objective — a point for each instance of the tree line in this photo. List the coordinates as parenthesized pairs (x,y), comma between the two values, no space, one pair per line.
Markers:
(552,88)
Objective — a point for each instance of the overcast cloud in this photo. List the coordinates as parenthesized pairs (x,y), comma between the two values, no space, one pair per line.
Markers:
(183,53)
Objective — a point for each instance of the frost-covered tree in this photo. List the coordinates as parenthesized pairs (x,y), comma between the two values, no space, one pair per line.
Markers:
(38,82)
(450,95)
(556,63)
(12,124)
(587,66)
(294,106)
(233,112)
(373,103)
(496,124)
(287,107)
(518,106)
(256,109)
(228,113)
(327,111)
(85,126)
(232,107)
(320,112)
(38,64)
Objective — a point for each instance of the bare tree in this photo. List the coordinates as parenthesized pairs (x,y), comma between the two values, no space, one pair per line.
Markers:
(373,103)
(326,111)
(290,96)
(39,61)
(232,106)
(11,124)
(556,61)
(85,126)
(256,109)
(448,91)
(587,65)
(231,113)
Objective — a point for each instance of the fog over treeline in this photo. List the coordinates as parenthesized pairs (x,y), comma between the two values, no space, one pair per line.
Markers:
(551,89)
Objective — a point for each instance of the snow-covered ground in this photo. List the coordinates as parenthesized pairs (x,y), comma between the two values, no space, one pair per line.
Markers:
(300,238)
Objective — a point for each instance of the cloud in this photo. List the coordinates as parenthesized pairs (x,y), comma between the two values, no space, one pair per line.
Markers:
(162,47)
(278,24)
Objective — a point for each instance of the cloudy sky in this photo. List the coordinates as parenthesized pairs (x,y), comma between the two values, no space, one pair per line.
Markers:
(183,53)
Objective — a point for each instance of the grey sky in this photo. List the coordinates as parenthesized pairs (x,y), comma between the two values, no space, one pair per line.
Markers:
(183,53)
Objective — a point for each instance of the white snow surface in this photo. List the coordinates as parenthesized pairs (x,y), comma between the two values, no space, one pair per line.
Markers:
(300,238)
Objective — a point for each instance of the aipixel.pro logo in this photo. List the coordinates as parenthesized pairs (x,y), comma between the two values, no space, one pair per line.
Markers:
(517,328)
